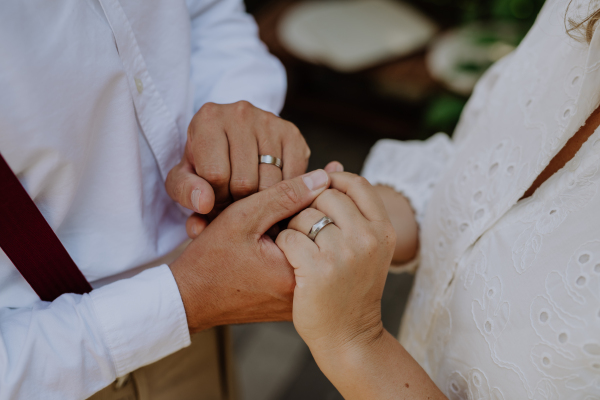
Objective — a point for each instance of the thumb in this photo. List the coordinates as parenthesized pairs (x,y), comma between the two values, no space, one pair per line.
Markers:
(188,189)
(282,200)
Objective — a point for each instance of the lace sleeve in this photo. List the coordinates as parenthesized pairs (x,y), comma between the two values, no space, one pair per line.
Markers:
(412,168)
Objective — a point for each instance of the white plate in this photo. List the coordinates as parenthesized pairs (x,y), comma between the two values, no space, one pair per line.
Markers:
(350,35)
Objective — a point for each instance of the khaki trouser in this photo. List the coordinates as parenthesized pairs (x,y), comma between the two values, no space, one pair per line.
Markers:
(202,371)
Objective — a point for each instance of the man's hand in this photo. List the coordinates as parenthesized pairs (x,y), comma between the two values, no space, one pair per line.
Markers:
(234,273)
(220,164)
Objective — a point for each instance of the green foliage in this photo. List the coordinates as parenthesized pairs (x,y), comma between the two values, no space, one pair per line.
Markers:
(525,10)
(443,110)
(442,113)
(476,10)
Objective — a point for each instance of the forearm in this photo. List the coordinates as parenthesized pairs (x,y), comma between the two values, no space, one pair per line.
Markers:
(377,369)
(229,62)
(403,220)
(81,343)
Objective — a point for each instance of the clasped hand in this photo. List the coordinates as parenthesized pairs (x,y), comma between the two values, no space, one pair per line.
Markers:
(233,272)
(332,287)
(220,163)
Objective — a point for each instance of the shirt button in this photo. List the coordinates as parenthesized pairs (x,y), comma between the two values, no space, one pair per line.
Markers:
(139,85)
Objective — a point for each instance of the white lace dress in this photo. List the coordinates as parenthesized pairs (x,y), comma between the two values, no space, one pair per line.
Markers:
(506,301)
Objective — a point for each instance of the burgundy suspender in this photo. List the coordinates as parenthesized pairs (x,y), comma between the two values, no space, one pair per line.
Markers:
(32,245)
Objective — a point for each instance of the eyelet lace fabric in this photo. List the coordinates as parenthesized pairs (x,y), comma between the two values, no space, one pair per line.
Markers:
(506,301)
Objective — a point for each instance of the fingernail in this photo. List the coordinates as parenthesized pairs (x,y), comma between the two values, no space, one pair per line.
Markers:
(315,180)
(194,230)
(339,167)
(196,198)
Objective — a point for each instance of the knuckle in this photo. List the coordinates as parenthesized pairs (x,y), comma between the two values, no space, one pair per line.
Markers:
(389,236)
(262,187)
(288,195)
(307,151)
(306,218)
(297,131)
(208,110)
(289,238)
(271,122)
(360,181)
(292,130)
(242,187)
(326,195)
(242,107)
(389,230)
(215,175)
(300,143)
(308,214)
(369,242)
(191,129)
(330,195)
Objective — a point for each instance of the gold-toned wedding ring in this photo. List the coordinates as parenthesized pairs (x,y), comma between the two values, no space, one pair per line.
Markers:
(271,160)
(318,227)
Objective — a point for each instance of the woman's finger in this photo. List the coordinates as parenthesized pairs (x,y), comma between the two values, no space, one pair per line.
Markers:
(334,166)
(299,250)
(340,208)
(362,194)
(304,221)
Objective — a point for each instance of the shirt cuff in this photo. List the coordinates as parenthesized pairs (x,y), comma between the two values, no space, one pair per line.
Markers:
(142,318)
(409,267)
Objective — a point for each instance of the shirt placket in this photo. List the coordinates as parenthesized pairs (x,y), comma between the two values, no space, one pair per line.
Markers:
(156,121)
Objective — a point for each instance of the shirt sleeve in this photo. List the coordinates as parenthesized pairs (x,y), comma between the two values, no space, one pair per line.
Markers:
(229,62)
(78,344)
(412,168)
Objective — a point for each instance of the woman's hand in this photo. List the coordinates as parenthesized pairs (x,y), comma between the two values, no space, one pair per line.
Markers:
(337,299)
(340,276)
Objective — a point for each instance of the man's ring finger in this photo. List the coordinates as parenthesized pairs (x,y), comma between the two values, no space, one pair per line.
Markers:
(270,160)
(316,228)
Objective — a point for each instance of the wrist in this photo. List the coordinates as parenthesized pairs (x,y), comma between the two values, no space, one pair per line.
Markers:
(343,364)
(192,295)
(332,353)
(210,300)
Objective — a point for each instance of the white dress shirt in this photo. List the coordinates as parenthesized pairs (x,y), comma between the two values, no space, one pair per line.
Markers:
(506,300)
(95,100)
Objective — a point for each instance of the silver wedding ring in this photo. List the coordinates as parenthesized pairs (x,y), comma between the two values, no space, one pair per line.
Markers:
(316,228)
(270,160)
